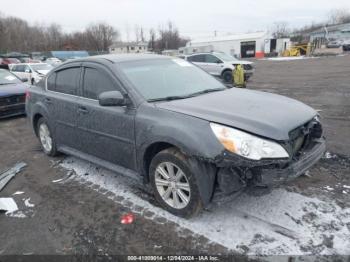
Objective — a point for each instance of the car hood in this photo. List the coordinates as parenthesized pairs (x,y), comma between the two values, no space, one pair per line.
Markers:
(44,72)
(240,62)
(13,89)
(265,114)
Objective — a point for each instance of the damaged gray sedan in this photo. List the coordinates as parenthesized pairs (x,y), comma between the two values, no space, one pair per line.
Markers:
(187,134)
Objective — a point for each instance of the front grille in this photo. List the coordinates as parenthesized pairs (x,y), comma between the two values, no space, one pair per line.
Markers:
(247,67)
(10,100)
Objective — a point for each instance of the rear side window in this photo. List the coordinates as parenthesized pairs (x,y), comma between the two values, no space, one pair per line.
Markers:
(64,81)
(97,82)
(197,58)
(18,68)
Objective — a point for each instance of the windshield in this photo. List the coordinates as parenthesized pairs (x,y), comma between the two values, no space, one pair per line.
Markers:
(165,78)
(225,57)
(41,67)
(8,78)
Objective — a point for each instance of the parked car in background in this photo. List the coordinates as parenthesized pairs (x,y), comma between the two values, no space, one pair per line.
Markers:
(220,64)
(53,61)
(346,45)
(335,44)
(185,132)
(6,62)
(34,72)
(12,94)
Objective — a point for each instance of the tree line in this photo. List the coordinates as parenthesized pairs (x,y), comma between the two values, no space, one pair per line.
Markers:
(18,35)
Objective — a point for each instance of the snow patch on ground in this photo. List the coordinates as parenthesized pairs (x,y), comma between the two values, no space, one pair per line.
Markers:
(289,58)
(281,222)
(18,193)
(27,203)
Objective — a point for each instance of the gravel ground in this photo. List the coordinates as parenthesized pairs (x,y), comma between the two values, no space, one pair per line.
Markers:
(70,206)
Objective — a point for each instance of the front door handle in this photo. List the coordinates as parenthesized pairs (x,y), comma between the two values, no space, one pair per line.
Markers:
(83,110)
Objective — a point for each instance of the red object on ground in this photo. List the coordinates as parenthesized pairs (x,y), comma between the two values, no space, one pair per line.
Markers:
(127,218)
(259,54)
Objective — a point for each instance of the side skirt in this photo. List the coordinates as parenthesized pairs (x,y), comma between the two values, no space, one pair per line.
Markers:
(95,160)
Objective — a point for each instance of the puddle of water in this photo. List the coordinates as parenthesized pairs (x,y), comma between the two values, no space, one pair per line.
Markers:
(281,222)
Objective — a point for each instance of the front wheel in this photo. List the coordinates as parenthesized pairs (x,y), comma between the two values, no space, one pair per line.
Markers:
(174,184)
(227,76)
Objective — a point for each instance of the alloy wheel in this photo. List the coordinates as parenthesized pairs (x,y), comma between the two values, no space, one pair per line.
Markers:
(172,185)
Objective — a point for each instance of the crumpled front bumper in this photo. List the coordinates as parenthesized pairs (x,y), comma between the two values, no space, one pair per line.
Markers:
(235,172)
(294,169)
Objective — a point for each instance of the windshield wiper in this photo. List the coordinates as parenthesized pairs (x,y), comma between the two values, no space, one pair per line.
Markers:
(206,91)
(167,98)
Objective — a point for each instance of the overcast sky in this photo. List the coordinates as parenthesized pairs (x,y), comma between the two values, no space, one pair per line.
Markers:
(194,18)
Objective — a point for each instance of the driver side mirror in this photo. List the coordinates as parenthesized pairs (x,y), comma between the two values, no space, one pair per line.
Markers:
(112,98)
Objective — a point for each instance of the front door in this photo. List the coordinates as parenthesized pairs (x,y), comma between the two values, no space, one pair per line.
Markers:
(213,64)
(106,132)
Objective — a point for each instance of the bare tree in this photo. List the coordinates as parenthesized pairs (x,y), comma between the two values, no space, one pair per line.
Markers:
(101,36)
(339,16)
(280,29)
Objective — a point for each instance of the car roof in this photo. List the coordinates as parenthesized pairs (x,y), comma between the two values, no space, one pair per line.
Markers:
(116,58)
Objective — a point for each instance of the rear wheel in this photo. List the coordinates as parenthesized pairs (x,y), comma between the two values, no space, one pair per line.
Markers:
(45,137)
(227,76)
(174,184)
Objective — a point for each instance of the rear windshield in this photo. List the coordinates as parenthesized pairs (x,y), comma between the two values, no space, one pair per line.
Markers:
(160,78)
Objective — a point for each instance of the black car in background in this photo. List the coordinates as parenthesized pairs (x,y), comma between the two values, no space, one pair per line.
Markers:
(12,94)
(186,133)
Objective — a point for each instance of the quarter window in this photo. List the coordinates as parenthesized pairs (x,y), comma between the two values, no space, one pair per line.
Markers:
(97,82)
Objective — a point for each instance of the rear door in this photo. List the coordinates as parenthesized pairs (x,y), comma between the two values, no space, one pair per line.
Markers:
(198,60)
(61,101)
(106,132)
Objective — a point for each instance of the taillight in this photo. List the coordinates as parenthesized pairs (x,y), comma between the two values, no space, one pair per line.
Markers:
(27,95)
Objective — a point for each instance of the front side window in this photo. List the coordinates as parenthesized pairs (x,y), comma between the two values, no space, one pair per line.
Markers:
(212,59)
(97,82)
(66,81)
(158,79)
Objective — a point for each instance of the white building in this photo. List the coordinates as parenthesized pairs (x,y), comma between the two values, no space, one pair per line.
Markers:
(239,45)
(128,47)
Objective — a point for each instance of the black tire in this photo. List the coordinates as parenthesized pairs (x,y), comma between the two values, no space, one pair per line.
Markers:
(174,156)
(53,151)
(227,76)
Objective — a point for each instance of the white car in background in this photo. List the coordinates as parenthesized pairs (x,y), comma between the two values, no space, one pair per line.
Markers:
(220,64)
(34,72)
(54,61)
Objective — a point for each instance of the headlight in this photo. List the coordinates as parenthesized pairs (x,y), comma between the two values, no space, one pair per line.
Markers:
(247,145)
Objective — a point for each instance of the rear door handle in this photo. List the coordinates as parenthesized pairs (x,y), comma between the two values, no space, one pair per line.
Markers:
(83,110)
(48,100)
